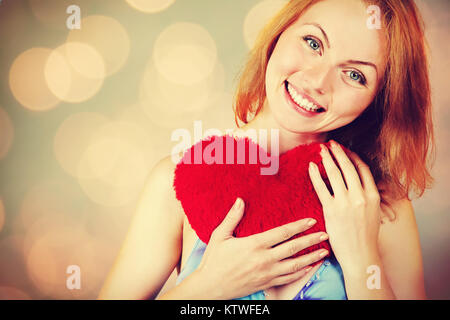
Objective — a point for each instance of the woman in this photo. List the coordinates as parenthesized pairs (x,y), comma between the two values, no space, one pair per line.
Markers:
(365,88)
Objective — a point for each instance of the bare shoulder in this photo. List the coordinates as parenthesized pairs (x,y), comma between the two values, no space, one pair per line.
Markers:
(155,230)
(403,208)
(393,206)
(164,170)
(160,185)
(397,210)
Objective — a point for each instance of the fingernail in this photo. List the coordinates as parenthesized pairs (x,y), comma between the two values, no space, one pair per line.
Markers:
(323,149)
(323,253)
(334,144)
(308,269)
(323,237)
(311,222)
(238,204)
(312,166)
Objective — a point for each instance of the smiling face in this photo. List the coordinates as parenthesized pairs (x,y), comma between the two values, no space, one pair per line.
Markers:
(328,61)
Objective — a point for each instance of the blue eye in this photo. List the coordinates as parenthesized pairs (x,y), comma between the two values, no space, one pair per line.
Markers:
(312,43)
(357,77)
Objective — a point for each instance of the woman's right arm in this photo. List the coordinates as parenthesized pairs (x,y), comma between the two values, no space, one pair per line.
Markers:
(152,246)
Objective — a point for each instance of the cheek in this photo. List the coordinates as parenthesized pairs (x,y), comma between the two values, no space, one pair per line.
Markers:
(286,59)
(351,102)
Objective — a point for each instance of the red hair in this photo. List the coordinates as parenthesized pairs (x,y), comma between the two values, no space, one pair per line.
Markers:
(394,135)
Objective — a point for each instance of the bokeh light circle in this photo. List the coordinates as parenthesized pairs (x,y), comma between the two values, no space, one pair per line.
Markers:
(114,166)
(150,6)
(64,72)
(107,36)
(73,136)
(55,221)
(185,53)
(171,105)
(85,60)
(53,252)
(258,17)
(27,80)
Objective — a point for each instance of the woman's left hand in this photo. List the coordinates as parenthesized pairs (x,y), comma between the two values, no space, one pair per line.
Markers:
(352,213)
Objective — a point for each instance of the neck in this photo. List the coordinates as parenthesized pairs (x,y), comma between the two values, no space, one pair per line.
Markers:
(287,139)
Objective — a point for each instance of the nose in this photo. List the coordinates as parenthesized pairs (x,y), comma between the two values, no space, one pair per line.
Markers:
(316,78)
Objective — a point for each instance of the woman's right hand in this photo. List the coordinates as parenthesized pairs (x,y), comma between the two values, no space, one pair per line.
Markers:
(236,267)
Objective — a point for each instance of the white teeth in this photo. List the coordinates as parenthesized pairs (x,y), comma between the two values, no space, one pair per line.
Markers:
(308,105)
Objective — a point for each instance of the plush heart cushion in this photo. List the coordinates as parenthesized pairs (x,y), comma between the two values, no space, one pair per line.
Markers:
(208,190)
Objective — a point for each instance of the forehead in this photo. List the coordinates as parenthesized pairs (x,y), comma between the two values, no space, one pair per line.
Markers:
(345,23)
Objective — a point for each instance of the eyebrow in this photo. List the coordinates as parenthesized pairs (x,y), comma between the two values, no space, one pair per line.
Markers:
(328,45)
(323,32)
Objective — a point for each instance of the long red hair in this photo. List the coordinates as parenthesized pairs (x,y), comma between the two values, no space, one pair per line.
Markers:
(394,135)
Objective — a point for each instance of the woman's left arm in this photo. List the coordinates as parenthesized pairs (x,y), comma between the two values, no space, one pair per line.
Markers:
(372,260)
(401,253)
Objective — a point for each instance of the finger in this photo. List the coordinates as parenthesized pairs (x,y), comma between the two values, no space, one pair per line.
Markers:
(282,233)
(319,186)
(368,182)
(295,264)
(288,278)
(291,247)
(333,172)
(231,220)
(347,168)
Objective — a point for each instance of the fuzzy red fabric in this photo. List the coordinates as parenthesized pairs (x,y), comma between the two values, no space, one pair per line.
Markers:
(207,191)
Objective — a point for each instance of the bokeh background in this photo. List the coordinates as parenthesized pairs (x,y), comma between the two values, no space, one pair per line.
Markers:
(86,113)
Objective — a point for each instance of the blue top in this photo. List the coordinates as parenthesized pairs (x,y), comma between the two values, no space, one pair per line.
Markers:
(327,283)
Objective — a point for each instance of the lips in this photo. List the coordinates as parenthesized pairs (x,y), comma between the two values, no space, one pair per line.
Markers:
(304,96)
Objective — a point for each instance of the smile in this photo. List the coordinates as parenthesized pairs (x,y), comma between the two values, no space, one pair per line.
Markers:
(300,102)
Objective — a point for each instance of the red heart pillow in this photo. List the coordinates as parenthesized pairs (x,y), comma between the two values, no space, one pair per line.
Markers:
(208,190)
